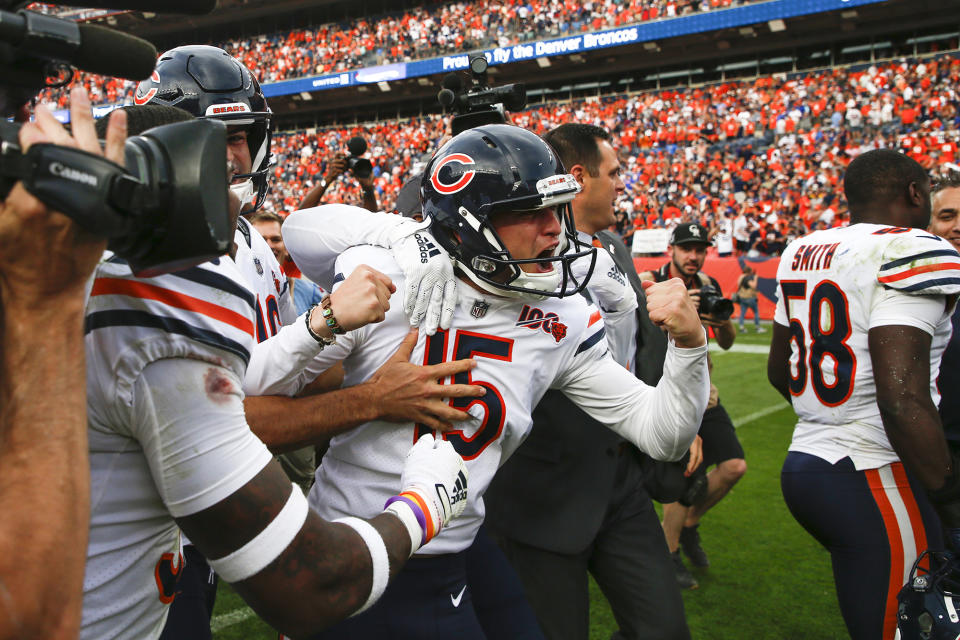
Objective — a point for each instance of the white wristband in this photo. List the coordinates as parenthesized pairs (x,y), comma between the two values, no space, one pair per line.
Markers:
(378,556)
(403,511)
(267,546)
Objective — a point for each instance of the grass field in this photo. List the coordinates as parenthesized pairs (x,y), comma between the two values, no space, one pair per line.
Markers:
(768,580)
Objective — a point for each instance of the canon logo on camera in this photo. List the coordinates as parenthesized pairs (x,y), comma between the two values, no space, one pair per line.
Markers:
(70,173)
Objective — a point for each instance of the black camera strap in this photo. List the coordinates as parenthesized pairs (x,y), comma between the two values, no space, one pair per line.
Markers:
(90,189)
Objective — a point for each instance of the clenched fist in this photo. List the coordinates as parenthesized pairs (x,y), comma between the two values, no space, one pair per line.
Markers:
(671,308)
(364,297)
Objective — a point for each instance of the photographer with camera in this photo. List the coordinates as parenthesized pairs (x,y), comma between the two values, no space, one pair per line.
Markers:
(45,259)
(688,251)
(340,164)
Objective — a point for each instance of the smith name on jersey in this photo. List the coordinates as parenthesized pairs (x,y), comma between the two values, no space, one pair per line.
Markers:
(522,349)
(834,286)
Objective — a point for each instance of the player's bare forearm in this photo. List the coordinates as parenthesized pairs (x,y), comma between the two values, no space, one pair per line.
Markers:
(44,482)
(900,356)
(913,427)
(285,424)
(316,588)
(325,573)
(778,360)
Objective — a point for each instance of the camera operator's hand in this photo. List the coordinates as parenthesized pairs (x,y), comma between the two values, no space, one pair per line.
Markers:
(335,167)
(369,193)
(672,309)
(366,183)
(723,330)
(43,253)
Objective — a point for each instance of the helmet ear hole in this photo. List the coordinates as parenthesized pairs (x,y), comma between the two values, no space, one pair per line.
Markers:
(925,623)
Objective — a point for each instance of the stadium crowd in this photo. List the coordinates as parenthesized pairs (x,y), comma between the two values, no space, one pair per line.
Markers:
(422,32)
(771,150)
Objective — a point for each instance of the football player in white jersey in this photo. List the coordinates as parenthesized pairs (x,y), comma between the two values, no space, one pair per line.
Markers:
(862,319)
(207,82)
(170,449)
(497,200)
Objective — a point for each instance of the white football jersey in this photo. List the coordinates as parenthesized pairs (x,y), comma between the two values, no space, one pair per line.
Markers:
(167,435)
(522,350)
(613,295)
(265,277)
(834,286)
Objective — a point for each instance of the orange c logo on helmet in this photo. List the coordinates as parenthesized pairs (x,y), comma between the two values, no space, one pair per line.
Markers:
(464,180)
(149,93)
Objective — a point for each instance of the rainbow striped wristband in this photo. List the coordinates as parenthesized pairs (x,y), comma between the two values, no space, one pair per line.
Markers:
(412,510)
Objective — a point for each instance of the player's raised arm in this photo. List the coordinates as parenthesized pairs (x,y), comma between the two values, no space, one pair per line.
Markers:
(661,420)
(315,237)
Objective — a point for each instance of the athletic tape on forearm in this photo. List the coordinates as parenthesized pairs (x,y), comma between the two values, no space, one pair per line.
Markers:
(252,557)
(378,556)
(412,519)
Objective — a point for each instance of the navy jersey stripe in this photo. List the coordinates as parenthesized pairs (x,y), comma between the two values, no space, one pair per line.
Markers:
(130,318)
(592,340)
(215,280)
(244,227)
(926,284)
(920,256)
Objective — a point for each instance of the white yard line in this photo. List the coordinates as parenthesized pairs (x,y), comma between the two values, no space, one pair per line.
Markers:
(740,348)
(756,415)
(236,616)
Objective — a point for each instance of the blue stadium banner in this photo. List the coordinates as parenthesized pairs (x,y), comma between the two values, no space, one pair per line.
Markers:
(632,34)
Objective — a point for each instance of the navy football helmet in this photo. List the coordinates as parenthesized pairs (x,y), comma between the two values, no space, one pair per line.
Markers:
(929,606)
(502,168)
(210,83)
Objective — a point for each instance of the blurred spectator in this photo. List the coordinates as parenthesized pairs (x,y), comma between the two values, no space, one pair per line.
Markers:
(746,297)
(771,244)
(305,292)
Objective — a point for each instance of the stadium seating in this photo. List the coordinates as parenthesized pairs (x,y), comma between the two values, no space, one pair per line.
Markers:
(774,147)
(423,32)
